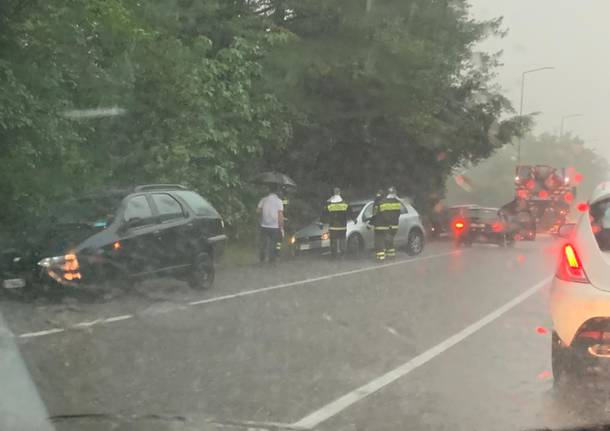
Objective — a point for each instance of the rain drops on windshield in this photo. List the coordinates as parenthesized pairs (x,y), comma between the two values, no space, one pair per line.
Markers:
(304,215)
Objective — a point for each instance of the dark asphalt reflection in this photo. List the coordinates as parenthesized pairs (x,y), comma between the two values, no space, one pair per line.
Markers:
(276,356)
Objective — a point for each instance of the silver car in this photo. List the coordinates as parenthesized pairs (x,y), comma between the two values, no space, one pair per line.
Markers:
(360,233)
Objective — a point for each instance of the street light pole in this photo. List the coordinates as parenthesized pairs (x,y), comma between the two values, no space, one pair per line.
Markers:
(564,118)
(521,102)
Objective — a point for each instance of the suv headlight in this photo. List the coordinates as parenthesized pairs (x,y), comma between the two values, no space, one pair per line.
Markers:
(62,268)
(48,262)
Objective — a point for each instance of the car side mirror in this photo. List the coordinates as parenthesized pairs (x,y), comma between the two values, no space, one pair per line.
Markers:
(566,230)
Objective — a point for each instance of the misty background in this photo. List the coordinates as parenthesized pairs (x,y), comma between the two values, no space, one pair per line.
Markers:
(572,37)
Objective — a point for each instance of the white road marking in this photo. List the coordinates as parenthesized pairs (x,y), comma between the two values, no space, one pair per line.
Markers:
(337,406)
(41,333)
(91,323)
(257,426)
(78,325)
(88,324)
(118,318)
(316,279)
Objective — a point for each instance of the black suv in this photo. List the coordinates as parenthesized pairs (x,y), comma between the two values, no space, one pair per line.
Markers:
(117,235)
(487,225)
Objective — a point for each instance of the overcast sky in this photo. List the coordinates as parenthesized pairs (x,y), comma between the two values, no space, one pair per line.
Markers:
(574,37)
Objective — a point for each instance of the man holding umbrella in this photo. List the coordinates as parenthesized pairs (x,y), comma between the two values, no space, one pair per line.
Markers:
(271,212)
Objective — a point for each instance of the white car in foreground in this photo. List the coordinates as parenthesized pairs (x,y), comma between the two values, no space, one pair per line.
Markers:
(580,291)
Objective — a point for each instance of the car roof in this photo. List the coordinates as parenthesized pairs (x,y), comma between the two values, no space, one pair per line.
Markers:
(405,201)
(485,209)
(157,187)
(463,206)
(601,192)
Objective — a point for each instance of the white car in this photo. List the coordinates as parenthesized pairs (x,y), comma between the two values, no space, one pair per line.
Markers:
(360,235)
(580,291)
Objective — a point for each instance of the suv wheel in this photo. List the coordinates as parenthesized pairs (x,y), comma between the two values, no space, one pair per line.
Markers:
(202,272)
(415,242)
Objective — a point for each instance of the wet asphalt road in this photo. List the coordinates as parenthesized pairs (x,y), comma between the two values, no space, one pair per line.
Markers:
(316,344)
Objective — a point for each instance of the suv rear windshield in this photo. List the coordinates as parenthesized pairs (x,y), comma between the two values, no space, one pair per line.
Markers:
(482,214)
(198,204)
(600,222)
(524,171)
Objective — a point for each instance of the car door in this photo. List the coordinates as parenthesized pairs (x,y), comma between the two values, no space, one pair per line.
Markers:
(207,224)
(137,245)
(509,222)
(404,225)
(175,228)
(367,232)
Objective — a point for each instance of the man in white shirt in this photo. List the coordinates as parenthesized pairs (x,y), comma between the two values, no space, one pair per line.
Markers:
(271,211)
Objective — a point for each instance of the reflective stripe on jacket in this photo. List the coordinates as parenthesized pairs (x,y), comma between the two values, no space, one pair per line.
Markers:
(336,215)
(386,214)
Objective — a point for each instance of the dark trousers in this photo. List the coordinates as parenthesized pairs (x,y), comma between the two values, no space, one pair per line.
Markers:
(270,244)
(390,251)
(337,242)
(380,239)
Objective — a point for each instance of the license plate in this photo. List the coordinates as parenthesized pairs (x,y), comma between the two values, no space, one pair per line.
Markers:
(305,247)
(477,225)
(13,283)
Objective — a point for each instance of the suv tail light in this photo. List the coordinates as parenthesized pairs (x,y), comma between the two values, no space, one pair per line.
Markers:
(570,266)
(497,227)
(458,226)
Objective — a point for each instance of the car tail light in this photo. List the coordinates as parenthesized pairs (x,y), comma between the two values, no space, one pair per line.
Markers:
(497,227)
(593,335)
(582,207)
(459,226)
(570,267)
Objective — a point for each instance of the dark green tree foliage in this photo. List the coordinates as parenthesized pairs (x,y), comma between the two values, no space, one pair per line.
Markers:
(184,73)
(51,60)
(389,91)
(360,93)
